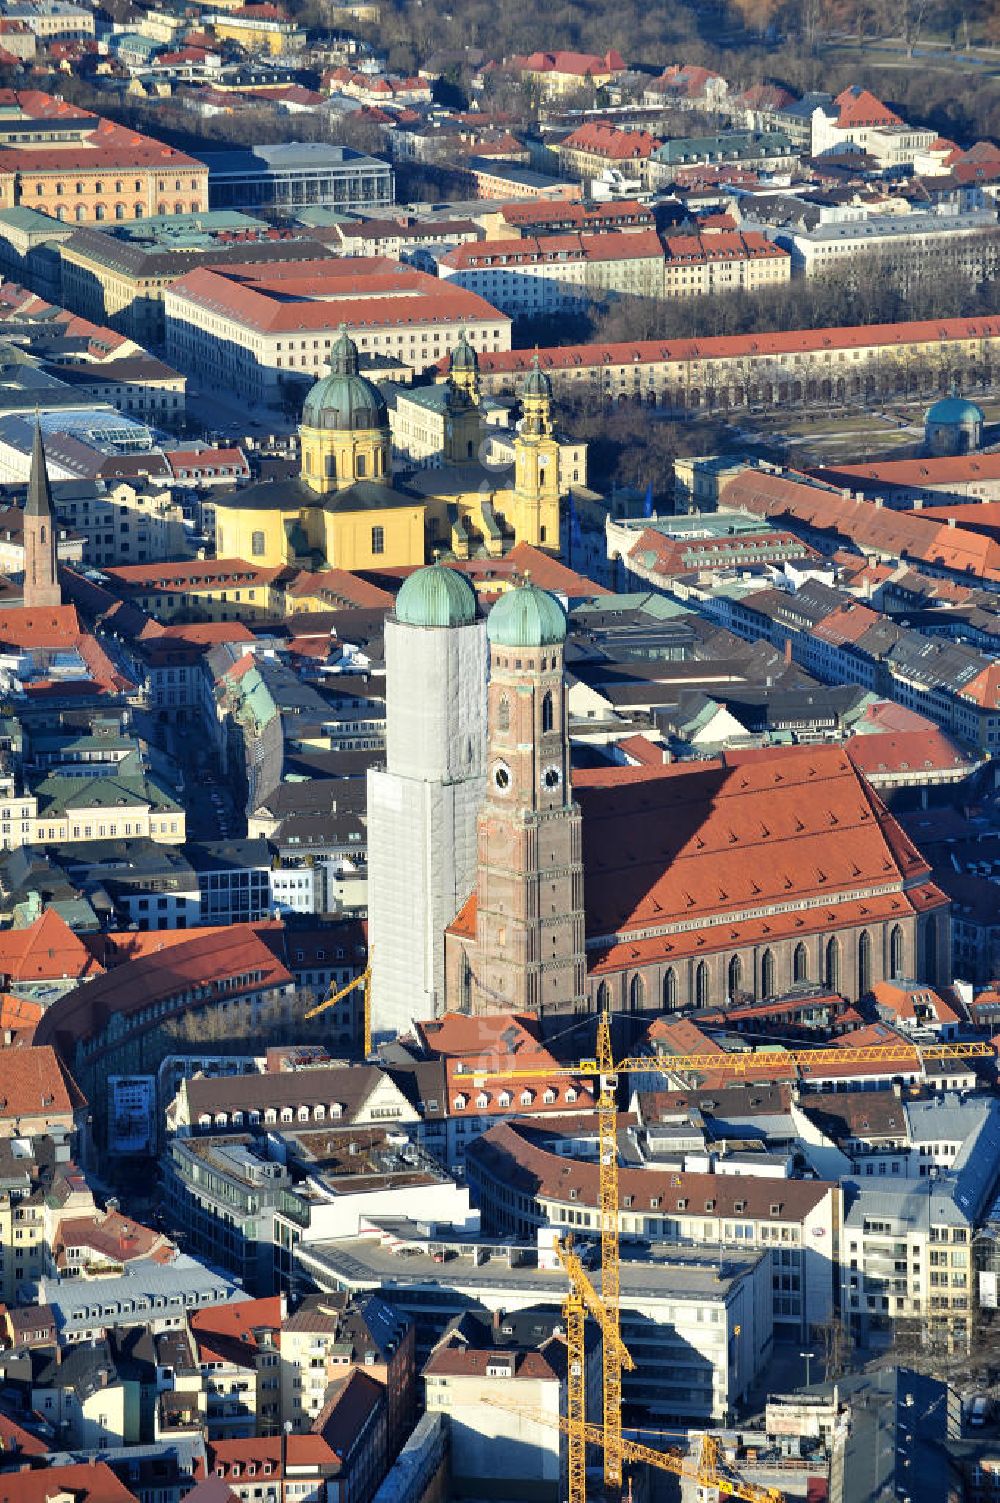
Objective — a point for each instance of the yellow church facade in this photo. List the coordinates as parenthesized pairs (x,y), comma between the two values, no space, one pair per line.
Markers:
(344,510)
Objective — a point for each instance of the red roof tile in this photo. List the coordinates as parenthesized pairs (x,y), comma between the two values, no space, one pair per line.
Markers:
(35,1083)
(228,1333)
(47,950)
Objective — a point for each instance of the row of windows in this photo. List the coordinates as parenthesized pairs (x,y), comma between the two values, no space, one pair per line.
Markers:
(735,977)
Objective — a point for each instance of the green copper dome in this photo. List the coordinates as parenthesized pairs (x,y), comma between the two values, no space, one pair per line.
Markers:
(343,400)
(536,382)
(463,356)
(436,596)
(526,617)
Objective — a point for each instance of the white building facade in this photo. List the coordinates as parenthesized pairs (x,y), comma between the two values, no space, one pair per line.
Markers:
(422,808)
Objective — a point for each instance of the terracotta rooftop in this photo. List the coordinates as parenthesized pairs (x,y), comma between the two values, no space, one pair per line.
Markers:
(84,1482)
(47,950)
(692,840)
(229,1333)
(525,1155)
(235,957)
(360,292)
(35,1083)
(906,751)
(740,346)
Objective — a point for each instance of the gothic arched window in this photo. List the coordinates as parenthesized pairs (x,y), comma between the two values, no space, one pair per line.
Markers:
(832,976)
(734,976)
(503,714)
(896,951)
(604,997)
(930,950)
(669,989)
(864,963)
(547,712)
(800,964)
(767,974)
(637,993)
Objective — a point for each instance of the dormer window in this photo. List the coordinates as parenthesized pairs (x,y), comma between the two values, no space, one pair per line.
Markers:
(459,1103)
(505,1098)
(526,1098)
(482,1101)
(549,1096)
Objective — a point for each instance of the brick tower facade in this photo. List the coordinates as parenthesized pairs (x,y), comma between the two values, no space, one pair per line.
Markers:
(528,953)
(41,581)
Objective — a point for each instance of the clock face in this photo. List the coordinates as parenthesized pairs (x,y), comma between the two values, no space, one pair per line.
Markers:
(551,777)
(503,780)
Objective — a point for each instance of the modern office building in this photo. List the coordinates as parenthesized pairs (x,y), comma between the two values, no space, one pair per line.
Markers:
(298,175)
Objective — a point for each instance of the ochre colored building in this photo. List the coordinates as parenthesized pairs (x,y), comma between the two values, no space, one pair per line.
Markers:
(344,510)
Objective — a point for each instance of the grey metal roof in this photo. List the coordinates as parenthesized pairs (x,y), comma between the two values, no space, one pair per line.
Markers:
(147,1290)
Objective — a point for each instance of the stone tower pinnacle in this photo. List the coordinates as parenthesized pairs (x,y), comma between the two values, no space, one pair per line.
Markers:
(41,581)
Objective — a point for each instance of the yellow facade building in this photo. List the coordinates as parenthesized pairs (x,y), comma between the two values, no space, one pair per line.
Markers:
(344,510)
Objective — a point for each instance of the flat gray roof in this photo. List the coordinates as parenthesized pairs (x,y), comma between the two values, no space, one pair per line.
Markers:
(365,1263)
(287,157)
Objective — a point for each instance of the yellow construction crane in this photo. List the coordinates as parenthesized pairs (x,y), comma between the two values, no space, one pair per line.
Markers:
(364,978)
(706,1472)
(739,1062)
(606,1071)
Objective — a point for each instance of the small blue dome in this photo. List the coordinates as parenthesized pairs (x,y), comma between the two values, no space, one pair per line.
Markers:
(955,410)
(526,617)
(436,596)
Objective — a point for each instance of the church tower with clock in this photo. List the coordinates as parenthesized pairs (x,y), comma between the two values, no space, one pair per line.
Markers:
(528,950)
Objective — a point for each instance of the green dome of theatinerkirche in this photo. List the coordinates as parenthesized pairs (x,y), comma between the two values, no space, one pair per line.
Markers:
(344,400)
(526,617)
(436,596)
(536,382)
(463,356)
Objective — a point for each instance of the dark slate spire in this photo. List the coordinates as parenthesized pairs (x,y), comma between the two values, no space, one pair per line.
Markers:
(39,502)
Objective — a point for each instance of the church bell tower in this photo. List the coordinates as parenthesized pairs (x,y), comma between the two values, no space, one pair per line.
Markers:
(41,580)
(528,953)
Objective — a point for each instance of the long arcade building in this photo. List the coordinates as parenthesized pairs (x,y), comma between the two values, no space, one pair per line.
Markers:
(831,365)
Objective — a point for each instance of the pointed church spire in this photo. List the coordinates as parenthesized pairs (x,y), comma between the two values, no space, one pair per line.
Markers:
(39,502)
(41,578)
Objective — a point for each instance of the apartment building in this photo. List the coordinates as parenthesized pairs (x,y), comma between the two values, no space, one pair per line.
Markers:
(590,149)
(328,1337)
(794,1221)
(238,1356)
(258,28)
(557,74)
(53,20)
(121,523)
(970,241)
(503,1399)
(723,261)
(557,273)
(906,1259)
(757,151)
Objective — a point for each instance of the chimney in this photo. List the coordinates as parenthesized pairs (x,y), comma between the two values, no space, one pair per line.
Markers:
(788,649)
